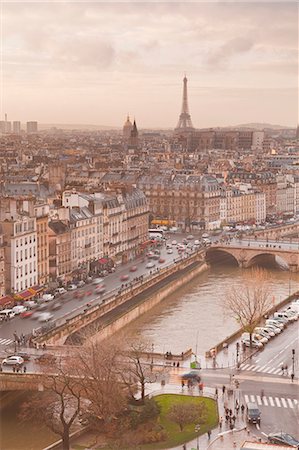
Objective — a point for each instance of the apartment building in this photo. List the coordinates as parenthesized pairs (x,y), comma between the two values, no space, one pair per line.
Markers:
(60,251)
(41,212)
(2,266)
(20,253)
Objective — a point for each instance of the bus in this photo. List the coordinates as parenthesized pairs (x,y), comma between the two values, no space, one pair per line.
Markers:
(155,233)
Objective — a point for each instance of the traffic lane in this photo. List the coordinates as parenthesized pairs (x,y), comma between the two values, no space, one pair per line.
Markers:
(69,303)
(278,350)
(279,412)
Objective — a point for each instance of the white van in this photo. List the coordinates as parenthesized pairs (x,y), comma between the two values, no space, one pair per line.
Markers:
(7,314)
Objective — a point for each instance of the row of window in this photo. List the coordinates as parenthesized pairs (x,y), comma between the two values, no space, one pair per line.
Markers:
(27,253)
(25,241)
(32,281)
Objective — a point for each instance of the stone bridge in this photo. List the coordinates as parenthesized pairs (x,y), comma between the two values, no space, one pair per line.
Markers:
(250,252)
(279,231)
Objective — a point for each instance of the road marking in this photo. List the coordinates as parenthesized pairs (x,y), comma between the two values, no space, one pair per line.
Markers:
(271,401)
(265,401)
(257,360)
(284,403)
(246,398)
(270,371)
(261,368)
(277,402)
(266,368)
(252,399)
(255,368)
(295,401)
(5,341)
(244,366)
(276,371)
(251,367)
(290,403)
(257,426)
(259,401)
(264,434)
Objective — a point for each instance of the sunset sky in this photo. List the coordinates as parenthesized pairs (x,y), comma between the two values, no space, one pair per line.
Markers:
(92,63)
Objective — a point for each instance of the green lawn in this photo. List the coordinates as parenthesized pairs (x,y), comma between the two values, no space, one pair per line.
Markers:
(177,437)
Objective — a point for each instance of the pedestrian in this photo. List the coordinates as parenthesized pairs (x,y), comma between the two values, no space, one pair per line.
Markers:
(216,392)
(178,364)
(24,369)
(262,394)
(209,434)
(183,384)
(226,417)
(13,368)
(237,409)
(230,412)
(242,408)
(173,363)
(292,377)
(223,389)
(234,419)
(237,404)
(220,423)
(282,369)
(231,425)
(286,369)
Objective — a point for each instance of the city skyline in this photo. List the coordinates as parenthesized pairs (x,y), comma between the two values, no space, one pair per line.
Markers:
(102,60)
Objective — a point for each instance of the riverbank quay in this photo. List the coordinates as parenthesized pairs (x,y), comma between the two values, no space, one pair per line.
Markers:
(229,353)
(126,305)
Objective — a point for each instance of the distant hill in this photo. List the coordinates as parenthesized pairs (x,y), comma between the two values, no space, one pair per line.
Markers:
(261,126)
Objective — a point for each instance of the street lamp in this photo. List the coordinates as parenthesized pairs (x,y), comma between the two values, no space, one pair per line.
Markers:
(238,349)
(152,360)
(293,362)
(197,429)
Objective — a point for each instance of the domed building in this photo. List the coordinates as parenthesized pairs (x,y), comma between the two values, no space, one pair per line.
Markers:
(127,128)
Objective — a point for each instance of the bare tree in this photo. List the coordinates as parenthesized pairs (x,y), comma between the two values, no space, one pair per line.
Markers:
(98,366)
(57,407)
(251,301)
(137,370)
(185,413)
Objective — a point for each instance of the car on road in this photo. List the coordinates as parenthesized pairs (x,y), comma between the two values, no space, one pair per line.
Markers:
(174,242)
(169,251)
(6,314)
(81,283)
(284,439)
(161,260)
(100,289)
(30,304)
(193,375)
(97,280)
(45,317)
(26,314)
(55,306)
(150,265)
(253,414)
(124,277)
(42,307)
(19,309)
(72,287)
(133,269)
(23,355)
(60,291)
(150,254)
(196,242)
(48,297)
(13,361)
(190,237)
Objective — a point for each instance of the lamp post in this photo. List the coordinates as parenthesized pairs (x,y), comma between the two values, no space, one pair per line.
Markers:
(293,362)
(238,350)
(152,360)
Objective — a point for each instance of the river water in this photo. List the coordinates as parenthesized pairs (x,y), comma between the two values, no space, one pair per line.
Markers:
(193,316)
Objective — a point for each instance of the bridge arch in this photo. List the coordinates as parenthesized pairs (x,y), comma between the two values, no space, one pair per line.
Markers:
(220,256)
(267,259)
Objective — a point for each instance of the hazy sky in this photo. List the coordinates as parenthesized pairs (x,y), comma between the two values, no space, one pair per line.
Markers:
(81,62)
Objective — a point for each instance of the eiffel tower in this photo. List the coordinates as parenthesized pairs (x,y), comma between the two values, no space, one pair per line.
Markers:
(184,124)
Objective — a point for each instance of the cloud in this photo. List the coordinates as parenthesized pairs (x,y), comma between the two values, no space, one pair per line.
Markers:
(229,50)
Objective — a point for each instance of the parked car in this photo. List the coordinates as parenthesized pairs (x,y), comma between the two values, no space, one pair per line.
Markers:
(190,237)
(150,265)
(283,316)
(284,439)
(19,309)
(268,333)
(273,328)
(48,297)
(174,242)
(23,355)
(196,242)
(71,287)
(293,315)
(133,269)
(81,283)
(169,251)
(253,414)
(97,281)
(275,323)
(13,361)
(30,304)
(254,343)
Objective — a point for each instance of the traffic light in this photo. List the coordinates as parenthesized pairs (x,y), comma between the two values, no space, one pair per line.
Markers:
(293,351)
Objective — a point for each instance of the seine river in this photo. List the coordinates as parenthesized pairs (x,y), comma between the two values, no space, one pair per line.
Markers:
(194,313)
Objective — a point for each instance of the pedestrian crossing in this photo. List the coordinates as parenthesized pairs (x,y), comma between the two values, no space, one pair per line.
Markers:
(6,341)
(276,402)
(263,369)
